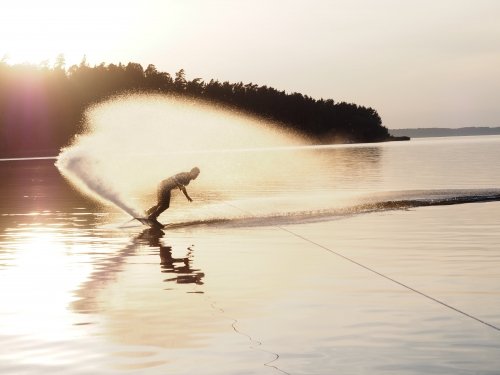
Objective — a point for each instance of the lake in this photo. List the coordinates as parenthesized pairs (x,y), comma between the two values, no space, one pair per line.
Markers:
(349,259)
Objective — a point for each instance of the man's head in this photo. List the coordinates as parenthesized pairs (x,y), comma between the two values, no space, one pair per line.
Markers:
(194,172)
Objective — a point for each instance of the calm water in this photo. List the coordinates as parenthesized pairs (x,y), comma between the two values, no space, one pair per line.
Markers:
(249,279)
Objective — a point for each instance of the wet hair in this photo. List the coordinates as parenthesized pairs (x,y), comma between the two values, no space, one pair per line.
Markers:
(195,171)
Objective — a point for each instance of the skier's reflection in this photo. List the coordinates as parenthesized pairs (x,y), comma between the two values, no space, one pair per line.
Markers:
(179,268)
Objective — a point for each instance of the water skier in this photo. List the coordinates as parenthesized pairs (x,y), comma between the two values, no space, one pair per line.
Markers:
(180,181)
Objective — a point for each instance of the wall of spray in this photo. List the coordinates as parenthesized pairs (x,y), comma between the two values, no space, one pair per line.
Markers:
(132,142)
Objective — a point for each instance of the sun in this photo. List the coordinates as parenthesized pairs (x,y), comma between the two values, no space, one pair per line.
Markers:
(35,32)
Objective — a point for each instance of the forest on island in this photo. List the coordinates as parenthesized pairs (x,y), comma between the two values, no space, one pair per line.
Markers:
(41,107)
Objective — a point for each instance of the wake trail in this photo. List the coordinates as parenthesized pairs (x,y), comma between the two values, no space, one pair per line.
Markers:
(390,201)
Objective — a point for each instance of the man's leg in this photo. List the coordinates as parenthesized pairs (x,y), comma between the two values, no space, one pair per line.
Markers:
(151,210)
(162,205)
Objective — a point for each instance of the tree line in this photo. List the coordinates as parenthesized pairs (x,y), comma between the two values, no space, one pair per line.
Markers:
(41,107)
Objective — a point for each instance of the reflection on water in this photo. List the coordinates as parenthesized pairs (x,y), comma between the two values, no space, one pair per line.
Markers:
(179,269)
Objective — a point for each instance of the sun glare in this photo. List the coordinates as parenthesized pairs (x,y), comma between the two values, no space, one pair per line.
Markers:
(42,274)
(37,32)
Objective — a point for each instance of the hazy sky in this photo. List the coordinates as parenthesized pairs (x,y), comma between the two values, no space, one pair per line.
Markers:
(418,63)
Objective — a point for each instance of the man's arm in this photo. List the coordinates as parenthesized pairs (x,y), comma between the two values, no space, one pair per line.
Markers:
(183,189)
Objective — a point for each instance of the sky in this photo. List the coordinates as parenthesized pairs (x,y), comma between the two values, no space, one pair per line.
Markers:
(426,63)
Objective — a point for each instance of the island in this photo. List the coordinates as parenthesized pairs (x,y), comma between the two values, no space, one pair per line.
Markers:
(42,107)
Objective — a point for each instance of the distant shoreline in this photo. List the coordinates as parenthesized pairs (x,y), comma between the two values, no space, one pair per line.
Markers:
(43,108)
(445,132)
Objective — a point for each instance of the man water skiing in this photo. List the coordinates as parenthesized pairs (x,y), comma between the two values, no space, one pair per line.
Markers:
(180,181)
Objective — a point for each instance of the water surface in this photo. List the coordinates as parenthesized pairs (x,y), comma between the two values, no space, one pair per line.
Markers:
(250,281)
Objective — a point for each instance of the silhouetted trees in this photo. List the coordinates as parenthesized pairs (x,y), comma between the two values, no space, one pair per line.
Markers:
(41,107)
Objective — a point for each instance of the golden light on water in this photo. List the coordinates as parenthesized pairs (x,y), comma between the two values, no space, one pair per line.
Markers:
(39,281)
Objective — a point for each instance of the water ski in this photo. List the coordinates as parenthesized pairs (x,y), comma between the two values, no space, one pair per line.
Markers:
(153,223)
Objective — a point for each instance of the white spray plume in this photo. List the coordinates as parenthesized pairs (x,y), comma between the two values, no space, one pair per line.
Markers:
(131,142)
(83,170)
